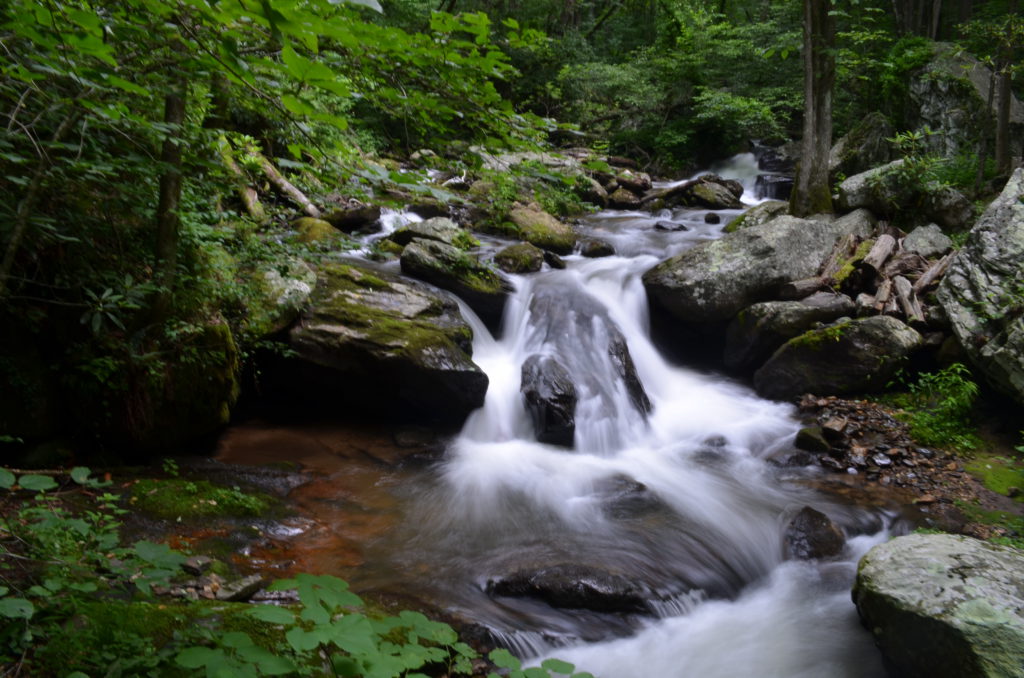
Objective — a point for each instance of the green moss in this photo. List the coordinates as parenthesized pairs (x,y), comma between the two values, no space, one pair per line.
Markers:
(176,498)
(850,265)
(815,339)
(999,474)
(310,230)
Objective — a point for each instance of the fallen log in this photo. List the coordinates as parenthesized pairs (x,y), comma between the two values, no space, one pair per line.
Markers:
(801,289)
(246,193)
(930,276)
(879,254)
(286,187)
(908,300)
(905,263)
(843,250)
(882,295)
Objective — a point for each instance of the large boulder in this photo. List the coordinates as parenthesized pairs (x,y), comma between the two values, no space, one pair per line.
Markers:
(757,215)
(850,356)
(374,339)
(927,241)
(520,258)
(950,95)
(354,217)
(983,291)
(448,267)
(713,281)
(888,189)
(944,606)
(811,535)
(539,228)
(441,229)
(869,144)
(574,587)
(284,289)
(550,396)
(759,330)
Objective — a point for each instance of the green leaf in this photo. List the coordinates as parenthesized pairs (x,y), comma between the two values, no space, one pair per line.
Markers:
(16,608)
(272,614)
(236,640)
(197,657)
(504,659)
(268,663)
(159,555)
(80,474)
(372,4)
(37,483)
(6,479)
(300,640)
(558,666)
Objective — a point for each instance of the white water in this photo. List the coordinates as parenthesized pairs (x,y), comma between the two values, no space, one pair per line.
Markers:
(704,533)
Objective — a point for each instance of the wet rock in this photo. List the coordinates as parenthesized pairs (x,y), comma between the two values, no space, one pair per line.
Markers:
(851,356)
(553,260)
(759,214)
(636,182)
(594,248)
(448,267)
(197,565)
(594,193)
(520,258)
(309,230)
(574,587)
(773,186)
(440,229)
(710,191)
(811,439)
(539,228)
(711,218)
(240,590)
(670,226)
(428,208)
(371,337)
(944,606)
(351,218)
(623,199)
(979,289)
(624,498)
(812,534)
(550,397)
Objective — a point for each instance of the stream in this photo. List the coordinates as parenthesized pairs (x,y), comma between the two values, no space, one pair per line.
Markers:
(681,500)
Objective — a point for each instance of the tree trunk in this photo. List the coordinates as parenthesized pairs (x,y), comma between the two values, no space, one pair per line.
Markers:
(1005,61)
(979,177)
(168,212)
(811,191)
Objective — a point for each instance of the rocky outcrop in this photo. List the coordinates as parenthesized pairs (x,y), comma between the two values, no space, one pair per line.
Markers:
(983,291)
(885,191)
(448,267)
(851,356)
(539,228)
(520,258)
(371,338)
(574,587)
(865,146)
(285,289)
(757,331)
(713,281)
(812,535)
(944,606)
(550,397)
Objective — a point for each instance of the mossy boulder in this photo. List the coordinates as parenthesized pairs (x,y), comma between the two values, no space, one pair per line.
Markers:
(539,228)
(869,144)
(441,229)
(624,199)
(710,191)
(448,267)
(944,606)
(310,230)
(759,214)
(886,191)
(520,258)
(847,357)
(373,339)
(712,282)
(283,290)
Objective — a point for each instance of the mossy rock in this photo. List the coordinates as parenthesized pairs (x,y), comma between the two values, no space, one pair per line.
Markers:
(189,500)
(543,230)
(310,230)
(283,290)
(520,258)
(759,214)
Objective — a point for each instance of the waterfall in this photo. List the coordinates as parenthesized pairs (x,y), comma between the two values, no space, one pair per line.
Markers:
(680,499)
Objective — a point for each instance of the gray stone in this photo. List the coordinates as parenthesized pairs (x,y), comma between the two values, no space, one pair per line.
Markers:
(594,248)
(448,267)
(759,330)
(983,291)
(285,289)
(520,258)
(714,280)
(947,207)
(197,565)
(757,215)
(882,191)
(945,606)
(812,534)
(550,397)
(623,199)
(865,146)
(574,587)
(240,590)
(850,356)
(928,241)
(441,229)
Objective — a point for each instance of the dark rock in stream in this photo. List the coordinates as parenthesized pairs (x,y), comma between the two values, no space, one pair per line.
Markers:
(593,248)
(574,587)
(812,534)
(550,399)
(354,217)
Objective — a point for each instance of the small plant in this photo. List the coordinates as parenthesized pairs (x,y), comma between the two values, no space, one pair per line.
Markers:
(939,406)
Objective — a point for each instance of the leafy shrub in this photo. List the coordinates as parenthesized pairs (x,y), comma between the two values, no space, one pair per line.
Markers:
(939,406)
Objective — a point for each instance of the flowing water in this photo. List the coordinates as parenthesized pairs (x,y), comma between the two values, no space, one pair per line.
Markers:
(681,500)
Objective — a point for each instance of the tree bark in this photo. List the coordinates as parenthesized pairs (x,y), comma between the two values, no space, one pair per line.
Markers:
(286,187)
(811,191)
(168,212)
(1004,62)
(246,193)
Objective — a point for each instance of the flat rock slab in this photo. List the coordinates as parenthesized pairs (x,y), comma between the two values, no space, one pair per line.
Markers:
(945,606)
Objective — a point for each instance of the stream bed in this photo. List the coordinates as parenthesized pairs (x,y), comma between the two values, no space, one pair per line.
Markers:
(671,488)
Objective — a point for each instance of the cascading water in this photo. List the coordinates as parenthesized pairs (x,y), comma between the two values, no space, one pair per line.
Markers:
(680,501)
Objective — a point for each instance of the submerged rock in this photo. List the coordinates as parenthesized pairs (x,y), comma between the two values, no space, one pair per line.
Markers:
(550,397)
(574,587)
(983,291)
(944,606)
(812,534)
(448,267)
(371,338)
(851,356)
